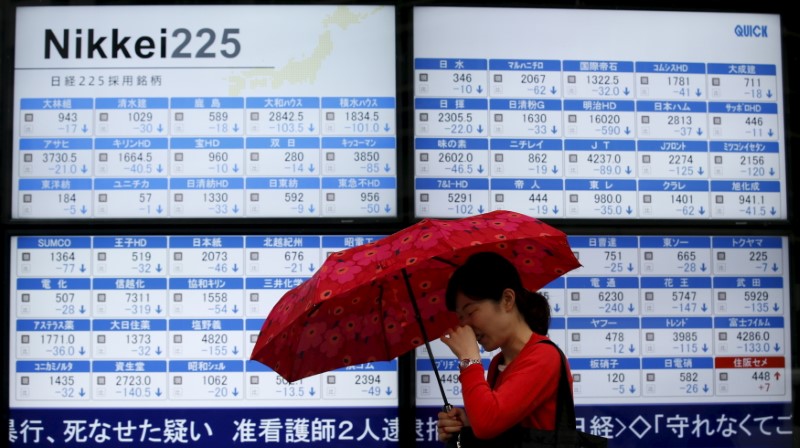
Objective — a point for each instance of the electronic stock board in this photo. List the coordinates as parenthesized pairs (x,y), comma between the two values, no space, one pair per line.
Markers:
(610,116)
(598,114)
(217,111)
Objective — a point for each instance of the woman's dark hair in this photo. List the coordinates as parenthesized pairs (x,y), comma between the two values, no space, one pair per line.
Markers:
(485,276)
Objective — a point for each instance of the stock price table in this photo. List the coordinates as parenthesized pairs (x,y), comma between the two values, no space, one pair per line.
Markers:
(662,319)
(668,130)
(167,321)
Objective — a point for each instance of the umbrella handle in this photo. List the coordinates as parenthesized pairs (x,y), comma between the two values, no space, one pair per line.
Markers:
(447,407)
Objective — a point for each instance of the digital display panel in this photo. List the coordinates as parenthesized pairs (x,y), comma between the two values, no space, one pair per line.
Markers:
(204,111)
(112,327)
(657,326)
(598,114)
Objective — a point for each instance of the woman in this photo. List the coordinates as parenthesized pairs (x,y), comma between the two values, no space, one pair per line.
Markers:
(497,312)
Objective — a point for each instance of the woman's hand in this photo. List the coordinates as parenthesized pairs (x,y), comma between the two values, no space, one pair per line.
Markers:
(462,342)
(450,423)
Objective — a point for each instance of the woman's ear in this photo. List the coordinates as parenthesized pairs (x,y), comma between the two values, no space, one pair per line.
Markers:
(508,299)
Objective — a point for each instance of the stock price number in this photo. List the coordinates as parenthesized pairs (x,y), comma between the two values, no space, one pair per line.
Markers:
(219,119)
(463,80)
(536,198)
(758,256)
(451,380)
(65,258)
(367,380)
(68,121)
(685,202)
(62,256)
(295,389)
(609,123)
(753,165)
(218,383)
(357,115)
(139,162)
(757,301)
(287,121)
(685,301)
(753,204)
(596,80)
(62,162)
(140,117)
(278,116)
(753,87)
(455,117)
(755,341)
(616,339)
(686,341)
(538,160)
(680,164)
(371,199)
(678,81)
(607,85)
(683,123)
(461,161)
(765,378)
(134,386)
(143,121)
(614,260)
(539,122)
(215,343)
(690,382)
(215,297)
(215,197)
(753,336)
(530,78)
(610,203)
(67,117)
(607,164)
(59,344)
(218,300)
(684,336)
(67,301)
(141,341)
(535,81)
(142,258)
(295,259)
(616,379)
(688,260)
(611,301)
(128,157)
(370,158)
(138,302)
(64,385)
(294,160)
(217,201)
(292,197)
(59,157)
(756,124)
(371,381)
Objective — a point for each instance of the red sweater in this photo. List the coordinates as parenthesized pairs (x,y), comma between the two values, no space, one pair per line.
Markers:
(525,392)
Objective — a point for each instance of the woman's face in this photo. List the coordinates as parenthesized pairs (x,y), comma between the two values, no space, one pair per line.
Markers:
(489,320)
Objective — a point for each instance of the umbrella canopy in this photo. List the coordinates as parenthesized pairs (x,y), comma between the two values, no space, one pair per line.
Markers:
(377,301)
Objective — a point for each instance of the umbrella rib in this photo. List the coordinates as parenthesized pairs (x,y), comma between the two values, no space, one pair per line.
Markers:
(383,322)
(455,265)
(447,405)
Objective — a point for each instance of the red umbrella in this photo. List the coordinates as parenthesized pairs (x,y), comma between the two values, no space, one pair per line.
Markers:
(377,301)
